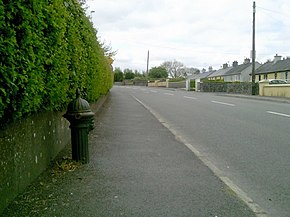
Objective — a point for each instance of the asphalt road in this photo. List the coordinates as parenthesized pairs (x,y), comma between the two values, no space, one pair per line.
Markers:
(137,169)
(245,142)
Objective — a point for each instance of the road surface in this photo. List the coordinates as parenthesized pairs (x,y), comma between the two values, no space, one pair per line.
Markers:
(245,142)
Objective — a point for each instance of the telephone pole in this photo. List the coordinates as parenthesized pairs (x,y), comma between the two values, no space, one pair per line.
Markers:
(147,63)
(253,52)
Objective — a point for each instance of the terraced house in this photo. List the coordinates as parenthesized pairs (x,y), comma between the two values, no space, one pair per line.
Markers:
(277,69)
(219,74)
(240,73)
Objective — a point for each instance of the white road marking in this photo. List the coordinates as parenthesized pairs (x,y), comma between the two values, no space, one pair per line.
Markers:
(189,97)
(277,113)
(170,94)
(223,103)
(228,182)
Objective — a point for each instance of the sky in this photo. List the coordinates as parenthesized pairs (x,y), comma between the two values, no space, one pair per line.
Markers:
(197,33)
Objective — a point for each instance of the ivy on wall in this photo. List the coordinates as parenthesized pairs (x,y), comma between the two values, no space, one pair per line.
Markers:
(48,49)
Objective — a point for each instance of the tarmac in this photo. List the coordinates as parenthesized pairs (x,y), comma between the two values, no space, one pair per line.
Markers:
(137,168)
(257,97)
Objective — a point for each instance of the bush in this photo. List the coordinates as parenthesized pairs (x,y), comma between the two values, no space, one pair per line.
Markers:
(205,80)
(118,75)
(176,79)
(192,83)
(48,49)
(157,73)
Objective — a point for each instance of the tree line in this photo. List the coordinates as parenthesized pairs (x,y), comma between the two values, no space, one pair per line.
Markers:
(168,69)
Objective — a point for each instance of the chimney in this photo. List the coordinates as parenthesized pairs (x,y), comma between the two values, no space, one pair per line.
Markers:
(210,69)
(247,61)
(225,66)
(277,58)
(235,63)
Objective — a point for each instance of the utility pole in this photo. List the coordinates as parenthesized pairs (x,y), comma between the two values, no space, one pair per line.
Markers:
(253,52)
(147,63)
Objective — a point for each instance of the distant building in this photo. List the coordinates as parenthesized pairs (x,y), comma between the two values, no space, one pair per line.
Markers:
(240,73)
(197,78)
(219,74)
(277,69)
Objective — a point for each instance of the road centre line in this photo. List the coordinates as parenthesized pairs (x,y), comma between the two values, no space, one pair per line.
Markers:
(277,113)
(170,94)
(189,97)
(223,103)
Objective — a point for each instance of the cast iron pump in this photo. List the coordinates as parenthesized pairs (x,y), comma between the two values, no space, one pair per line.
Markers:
(81,120)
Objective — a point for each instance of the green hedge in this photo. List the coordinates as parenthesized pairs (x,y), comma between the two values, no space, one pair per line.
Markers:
(48,49)
(206,80)
(192,83)
(176,79)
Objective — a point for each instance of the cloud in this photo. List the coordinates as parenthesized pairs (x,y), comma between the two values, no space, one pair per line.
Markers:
(199,33)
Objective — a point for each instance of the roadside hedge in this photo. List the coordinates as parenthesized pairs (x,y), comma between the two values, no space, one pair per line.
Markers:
(48,49)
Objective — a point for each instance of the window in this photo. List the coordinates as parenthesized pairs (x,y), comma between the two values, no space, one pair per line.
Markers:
(259,77)
(275,75)
(265,76)
(286,75)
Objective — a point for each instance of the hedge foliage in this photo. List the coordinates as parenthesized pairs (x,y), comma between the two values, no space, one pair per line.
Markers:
(48,49)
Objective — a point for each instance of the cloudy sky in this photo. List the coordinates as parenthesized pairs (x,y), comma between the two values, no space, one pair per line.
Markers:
(198,33)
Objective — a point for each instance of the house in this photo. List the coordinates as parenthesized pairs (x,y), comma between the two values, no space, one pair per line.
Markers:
(197,78)
(218,75)
(276,69)
(240,73)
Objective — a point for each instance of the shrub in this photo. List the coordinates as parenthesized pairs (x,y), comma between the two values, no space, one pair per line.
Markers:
(48,49)
(192,83)
(176,79)
(206,80)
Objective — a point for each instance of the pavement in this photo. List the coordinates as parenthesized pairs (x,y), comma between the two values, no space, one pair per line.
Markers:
(257,97)
(137,168)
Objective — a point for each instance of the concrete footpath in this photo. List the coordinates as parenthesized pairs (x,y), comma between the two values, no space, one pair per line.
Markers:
(137,168)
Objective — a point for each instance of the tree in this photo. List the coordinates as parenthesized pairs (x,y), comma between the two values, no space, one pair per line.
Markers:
(118,75)
(177,69)
(158,72)
(129,74)
(188,71)
(108,50)
(173,68)
(138,74)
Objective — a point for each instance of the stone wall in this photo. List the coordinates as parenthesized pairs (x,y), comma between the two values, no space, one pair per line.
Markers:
(27,147)
(157,83)
(181,84)
(140,83)
(118,83)
(238,88)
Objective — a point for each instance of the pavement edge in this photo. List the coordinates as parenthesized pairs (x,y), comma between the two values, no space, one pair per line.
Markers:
(259,212)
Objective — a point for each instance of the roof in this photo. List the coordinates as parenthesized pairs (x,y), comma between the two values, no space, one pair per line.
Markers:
(205,74)
(220,72)
(279,66)
(238,69)
(192,77)
(200,75)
